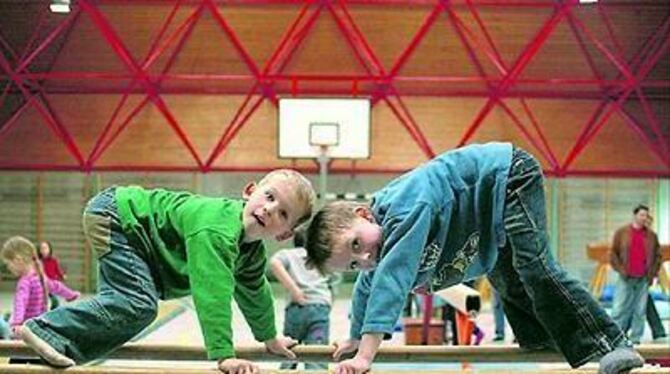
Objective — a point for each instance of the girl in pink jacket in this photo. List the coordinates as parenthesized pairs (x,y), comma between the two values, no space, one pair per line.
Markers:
(33,288)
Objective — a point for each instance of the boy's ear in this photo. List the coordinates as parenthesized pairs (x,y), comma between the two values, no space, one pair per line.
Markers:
(364,212)
(249,189)
(284,236)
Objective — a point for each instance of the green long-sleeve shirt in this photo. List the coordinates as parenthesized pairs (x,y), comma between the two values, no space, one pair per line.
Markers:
(194,246)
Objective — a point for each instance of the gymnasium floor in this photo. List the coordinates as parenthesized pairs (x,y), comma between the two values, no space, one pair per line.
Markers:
(177,324)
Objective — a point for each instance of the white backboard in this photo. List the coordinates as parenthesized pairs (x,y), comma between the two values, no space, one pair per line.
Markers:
(342,123)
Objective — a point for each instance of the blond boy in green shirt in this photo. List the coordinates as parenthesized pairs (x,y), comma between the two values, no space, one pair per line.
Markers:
(158,244)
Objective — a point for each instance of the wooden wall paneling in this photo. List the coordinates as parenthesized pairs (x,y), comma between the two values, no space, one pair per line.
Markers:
(581,223)
(591,209)
(62,225)
(19,216)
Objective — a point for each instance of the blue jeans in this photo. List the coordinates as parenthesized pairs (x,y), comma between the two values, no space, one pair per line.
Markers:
(545,307)
(498,315)
(126,301)
(5,330)
(308,324)
(630,305)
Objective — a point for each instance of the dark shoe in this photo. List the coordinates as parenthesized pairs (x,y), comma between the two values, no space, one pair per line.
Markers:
(499,338)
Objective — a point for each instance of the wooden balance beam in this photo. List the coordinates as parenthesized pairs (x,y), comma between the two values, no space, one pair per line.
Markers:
(436,353)
(39,369)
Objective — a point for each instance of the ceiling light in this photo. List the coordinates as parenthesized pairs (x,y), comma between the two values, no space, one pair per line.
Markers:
(60,6)
(588,1)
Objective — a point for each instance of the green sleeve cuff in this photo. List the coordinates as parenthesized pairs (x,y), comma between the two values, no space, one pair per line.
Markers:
(266,335)
(220,353)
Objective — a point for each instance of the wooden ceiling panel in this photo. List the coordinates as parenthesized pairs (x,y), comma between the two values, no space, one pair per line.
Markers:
(261,28)
(512,29)
(86,50)
(389,30)
(145,25)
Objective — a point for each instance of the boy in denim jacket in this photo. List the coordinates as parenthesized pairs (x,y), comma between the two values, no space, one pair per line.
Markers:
(478,210)
(158,244)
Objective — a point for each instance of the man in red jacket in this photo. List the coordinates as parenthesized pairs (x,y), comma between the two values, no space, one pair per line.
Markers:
(636,256)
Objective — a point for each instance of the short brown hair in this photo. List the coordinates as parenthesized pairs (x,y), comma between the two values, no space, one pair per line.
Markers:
(327,223)
(303,189)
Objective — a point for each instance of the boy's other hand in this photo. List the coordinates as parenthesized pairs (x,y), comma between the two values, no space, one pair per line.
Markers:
(281,346)
(355,365)
(344,347)
(237,366)
(298,297)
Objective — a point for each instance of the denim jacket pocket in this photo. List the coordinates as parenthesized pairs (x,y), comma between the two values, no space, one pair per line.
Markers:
(97,230)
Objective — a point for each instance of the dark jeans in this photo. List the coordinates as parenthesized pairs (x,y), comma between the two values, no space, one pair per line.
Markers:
(654,320)
(126,301)
(546,308)
(308,324)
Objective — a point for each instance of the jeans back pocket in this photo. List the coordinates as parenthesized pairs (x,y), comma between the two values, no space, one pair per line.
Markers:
(98,233)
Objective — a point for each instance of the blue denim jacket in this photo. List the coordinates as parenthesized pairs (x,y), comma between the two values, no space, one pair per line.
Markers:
(442,223)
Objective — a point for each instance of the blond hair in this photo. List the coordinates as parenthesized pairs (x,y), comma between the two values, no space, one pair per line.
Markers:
(326,225)
(303,189)
(18,247)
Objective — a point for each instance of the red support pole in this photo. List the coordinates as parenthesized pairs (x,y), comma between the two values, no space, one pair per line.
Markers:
(358,54)
(526,134)
(232,130)
(637,128)
(48,40)
(125,55)
(358,35)
(427,23)
(408,122)
(8,124)
(100,147)
(45,112)
(653,121)
(644,70)
(621,65)
(278,65)
(189,24)
(286,37)
(526,56)
(461,27)
(241,51)
(552,157)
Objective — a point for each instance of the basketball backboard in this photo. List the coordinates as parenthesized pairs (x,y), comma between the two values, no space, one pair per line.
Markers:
(306,125)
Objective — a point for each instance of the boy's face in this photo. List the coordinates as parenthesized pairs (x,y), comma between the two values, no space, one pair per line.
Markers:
(357,247)
(272,210)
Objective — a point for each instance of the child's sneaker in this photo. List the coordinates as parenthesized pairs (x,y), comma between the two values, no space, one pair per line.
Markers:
(479,336)
(620,360)
(47,352)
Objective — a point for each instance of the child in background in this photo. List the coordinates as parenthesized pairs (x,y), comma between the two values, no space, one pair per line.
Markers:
(32,290)
(5,330)
(476,210)
(156,245)
(52,268)
(307,315)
